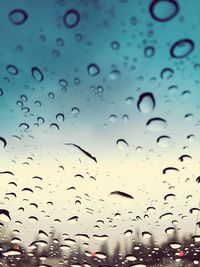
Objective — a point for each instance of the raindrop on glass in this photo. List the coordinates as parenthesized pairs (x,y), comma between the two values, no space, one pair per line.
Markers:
(71,18)
(18,16)
(93,69)
(146,103)
(182,48)
(156,124)
(37,74)
(163,10)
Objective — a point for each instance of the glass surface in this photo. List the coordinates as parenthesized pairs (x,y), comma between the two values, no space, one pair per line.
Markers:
(99,133)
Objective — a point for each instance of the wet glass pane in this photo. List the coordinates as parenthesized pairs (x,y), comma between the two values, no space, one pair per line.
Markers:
(99,133)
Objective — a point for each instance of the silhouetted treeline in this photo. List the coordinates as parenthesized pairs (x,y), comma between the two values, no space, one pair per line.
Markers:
(150,253)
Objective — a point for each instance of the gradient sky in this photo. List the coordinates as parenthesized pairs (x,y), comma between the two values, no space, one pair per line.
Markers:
(99,110)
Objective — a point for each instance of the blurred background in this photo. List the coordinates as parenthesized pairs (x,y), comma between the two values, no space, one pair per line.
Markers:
(99,133)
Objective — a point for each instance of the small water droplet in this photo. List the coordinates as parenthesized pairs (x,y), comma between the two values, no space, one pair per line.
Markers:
(11,69)
(93,69)
(115,45)
(75,111)
(51,95)
(167,73)
(149,51)
(156,124)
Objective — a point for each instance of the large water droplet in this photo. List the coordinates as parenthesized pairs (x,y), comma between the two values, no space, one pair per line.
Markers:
(182,48)
(146,103)
(18,16)
(163,10)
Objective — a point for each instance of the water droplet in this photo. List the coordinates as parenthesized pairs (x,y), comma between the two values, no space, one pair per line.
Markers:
(114,74)
(18,16)
(83,237)
(173,89)
(138,265)
(149,51)
(19,103)
(24,98)
(125,118)
(11,69)
(146,234)
(122,144)
(115,45)
(73,219)
(71,18)
(167,73)
(196,238)
(129,100)
(166,216)
(1,92)
(146,103)
(11,252)
(60,42)
(60,117)
(184,158)
(51,95)
(40,120)
(175,245)
(131,257)
(182,48)
(54,126)
(37,74)
(186,94)
(24,126)
(112,118)
(100,237)
(163,10)
(100,255)
(42,234)
(33,219)
(156,124)
(75,111)
(93,69)
(169,230)
(55,53)
(4,215)
(169,197)
(197,66)
(63,83)
(170,169)
(38,103)
(163,141)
